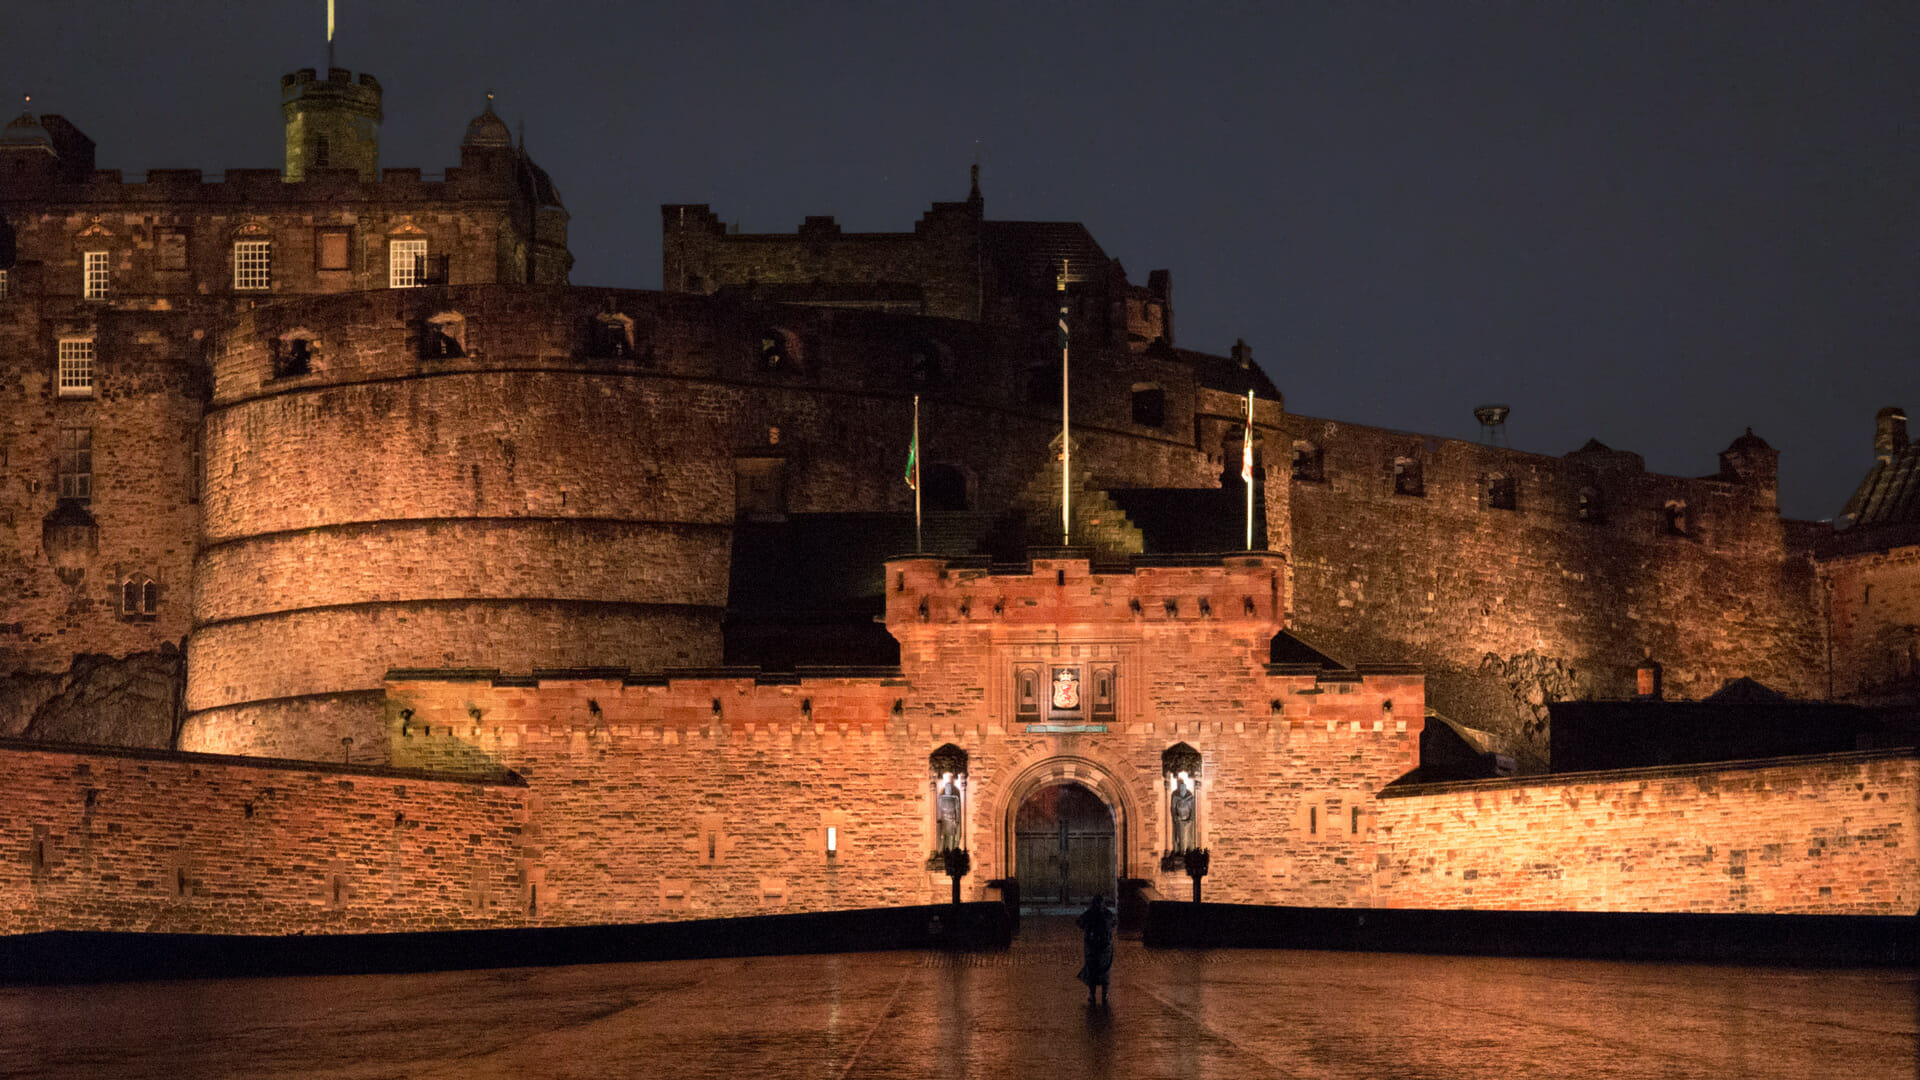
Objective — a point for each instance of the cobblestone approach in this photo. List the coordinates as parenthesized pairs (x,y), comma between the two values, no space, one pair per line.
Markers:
(1221,1015)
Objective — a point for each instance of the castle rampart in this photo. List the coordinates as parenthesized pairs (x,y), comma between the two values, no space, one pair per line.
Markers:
(1519,576)
(1833,834)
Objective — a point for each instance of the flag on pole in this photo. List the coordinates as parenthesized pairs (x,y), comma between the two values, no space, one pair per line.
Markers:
(1246,467)
(913,450)
(1066,423)
(1246,444)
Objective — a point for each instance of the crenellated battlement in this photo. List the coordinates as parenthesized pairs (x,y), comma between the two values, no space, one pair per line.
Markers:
(1239,592)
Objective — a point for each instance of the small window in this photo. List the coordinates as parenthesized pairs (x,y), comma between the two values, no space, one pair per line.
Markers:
(76,367)
(171,249)
(140,596)
(76,463)
(1149,406)
(406,263)
(252,260)
(96,281)
(1673,518)
(1313,821)
(778,352)
(1356,821)
(3,284)
(294,357)
(611,337)
(1502,493)
(1587,506)
(1406,477)
(926,364)
(444,337)
(322,150)
(330,249)
(1309,462)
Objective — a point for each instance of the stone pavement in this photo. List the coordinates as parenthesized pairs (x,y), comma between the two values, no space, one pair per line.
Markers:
(1223,1014)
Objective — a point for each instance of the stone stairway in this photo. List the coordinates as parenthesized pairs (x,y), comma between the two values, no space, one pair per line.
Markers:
(1098,522)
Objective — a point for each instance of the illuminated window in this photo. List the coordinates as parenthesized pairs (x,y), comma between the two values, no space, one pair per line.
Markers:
(76,463)
(406,263)
(3,284)
(96,276)
(1588,507)
(251,262)
(76,367)
(330,249)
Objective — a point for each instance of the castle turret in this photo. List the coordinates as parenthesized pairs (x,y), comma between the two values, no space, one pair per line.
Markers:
(332,123)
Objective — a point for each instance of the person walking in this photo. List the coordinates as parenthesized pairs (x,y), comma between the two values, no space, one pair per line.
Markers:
(1096,928)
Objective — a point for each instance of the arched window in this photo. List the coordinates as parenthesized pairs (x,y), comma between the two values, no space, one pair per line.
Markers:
(1149,405)
(139,597)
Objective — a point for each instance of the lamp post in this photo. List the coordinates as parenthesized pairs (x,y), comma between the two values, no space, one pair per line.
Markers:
(957,863)
(1197,860)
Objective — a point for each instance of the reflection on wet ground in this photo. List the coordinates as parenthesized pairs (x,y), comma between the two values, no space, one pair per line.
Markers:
(1220,1013)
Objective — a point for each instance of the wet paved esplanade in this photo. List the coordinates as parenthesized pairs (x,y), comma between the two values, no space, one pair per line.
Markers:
(1020,1013)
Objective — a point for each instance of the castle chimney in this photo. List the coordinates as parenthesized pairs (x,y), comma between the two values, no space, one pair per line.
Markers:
(1242,354)
(1889,432)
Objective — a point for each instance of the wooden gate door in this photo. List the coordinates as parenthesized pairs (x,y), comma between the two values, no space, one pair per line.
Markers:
(1063,847)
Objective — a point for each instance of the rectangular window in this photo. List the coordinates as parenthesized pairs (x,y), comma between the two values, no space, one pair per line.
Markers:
(96,276)
(76,367)
(172,249)
(330,249)
(3,284)
(407,263)
(252,261)
(76,463)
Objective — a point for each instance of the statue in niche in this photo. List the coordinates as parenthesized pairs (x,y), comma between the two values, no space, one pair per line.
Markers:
(947,812)
(1186,836)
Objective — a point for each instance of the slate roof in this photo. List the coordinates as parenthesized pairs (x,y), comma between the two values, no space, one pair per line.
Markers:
(1890,494)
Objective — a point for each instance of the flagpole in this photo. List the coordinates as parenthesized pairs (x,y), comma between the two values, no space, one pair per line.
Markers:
(919,547)
(1066,425)
(1246,468)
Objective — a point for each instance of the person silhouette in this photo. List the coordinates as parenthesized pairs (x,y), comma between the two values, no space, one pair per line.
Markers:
(1096,928)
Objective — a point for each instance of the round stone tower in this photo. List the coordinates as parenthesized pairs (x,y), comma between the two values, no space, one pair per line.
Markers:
(332,123)
(443,480)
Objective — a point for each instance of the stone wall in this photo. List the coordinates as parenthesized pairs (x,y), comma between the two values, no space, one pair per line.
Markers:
(1874,604)
(1564,593)
(185,843)
(1837,834)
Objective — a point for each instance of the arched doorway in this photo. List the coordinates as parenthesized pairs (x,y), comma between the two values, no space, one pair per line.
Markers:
(1063,838)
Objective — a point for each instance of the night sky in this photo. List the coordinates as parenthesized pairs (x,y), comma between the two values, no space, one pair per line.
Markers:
(1652,225)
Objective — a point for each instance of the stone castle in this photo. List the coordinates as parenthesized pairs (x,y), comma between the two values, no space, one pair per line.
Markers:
(328,503)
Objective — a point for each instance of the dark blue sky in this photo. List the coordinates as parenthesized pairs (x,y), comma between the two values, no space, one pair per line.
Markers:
(1654,225)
